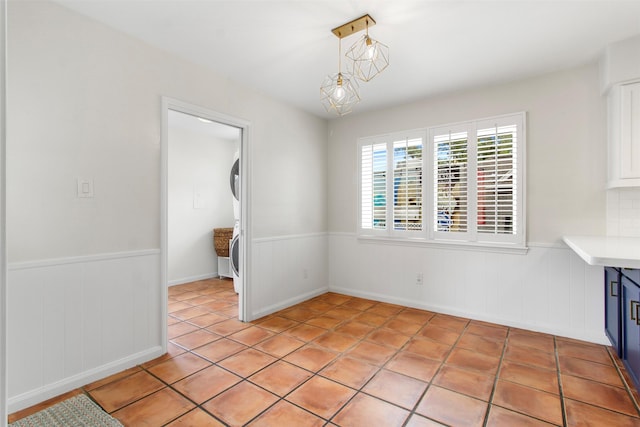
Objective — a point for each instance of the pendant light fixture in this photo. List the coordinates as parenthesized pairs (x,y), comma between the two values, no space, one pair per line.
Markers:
(369,57)
(339,91)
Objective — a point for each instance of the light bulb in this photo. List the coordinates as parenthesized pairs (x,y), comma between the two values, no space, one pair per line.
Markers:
(339,93)
(372,50)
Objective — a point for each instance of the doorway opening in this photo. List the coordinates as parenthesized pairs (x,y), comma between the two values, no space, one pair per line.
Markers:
(204,186)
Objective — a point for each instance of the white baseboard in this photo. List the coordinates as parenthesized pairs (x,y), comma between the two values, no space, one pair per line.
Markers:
(36,396)
(192,278)
(595,337)
(288,303)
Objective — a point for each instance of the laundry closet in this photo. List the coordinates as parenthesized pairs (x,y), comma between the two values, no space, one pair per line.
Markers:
(203,196)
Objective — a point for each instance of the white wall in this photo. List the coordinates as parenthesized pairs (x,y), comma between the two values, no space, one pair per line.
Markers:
(566,177)
(198,163)
(95,95)
(85,101)
(3,240)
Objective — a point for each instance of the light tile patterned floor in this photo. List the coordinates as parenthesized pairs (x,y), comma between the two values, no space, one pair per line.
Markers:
(337,360)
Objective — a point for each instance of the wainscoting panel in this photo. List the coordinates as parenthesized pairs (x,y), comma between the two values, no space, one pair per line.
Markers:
(74,320)
(287,270)
(549,289)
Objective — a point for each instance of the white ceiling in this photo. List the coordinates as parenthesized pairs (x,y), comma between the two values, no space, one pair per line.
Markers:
(285,48)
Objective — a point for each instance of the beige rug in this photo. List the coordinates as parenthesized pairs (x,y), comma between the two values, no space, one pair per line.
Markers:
(78,411)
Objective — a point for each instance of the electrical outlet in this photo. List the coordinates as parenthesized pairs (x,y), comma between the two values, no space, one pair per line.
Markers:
(305,273)
(85,188)
(419,279)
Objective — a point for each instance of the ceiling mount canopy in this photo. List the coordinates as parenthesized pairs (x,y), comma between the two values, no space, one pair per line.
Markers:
(368,57)
(354,26)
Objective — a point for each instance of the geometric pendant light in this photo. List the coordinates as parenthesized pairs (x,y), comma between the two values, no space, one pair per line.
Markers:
(368,57)
(339,91)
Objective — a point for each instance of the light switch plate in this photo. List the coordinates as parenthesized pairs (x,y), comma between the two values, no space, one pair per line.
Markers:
(85,188)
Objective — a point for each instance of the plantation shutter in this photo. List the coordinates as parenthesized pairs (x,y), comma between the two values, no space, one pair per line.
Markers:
(462,183)
(497,179)
(407,185)
(450,177)
(373,186)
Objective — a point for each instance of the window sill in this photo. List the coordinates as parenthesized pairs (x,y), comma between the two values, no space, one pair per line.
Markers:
(504,248)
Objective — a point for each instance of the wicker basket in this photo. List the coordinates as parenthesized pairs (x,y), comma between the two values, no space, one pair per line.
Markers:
(221,237)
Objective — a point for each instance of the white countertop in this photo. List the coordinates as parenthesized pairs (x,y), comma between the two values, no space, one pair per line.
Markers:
(607,251)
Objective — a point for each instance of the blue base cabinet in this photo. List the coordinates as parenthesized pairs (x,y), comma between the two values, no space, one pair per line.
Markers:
(622,317)
(631,327)
(612,292)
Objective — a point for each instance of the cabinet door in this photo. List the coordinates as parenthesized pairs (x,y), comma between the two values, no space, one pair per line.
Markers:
(633,274)
(612,307)
(630,131)
(631,333)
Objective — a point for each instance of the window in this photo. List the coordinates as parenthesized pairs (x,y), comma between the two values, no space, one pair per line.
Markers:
(497,167)
(391,184)
(450,181)
(461,183)
(374,186)
(407,184)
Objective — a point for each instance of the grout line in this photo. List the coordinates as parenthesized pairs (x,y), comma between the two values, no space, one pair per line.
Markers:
(495,381)
(563,407)
(360,341)
(560,395)
(379,368)
(412,412)
(628,388)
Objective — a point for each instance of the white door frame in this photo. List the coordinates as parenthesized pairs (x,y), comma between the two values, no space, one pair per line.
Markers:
(245,224)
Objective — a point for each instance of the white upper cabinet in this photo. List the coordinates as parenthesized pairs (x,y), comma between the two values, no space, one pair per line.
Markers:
(624,135)
(620,81)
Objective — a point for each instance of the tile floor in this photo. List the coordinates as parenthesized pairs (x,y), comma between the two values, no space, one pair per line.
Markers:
(337,360)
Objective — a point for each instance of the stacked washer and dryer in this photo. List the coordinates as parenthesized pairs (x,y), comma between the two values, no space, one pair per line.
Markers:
(234,246)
